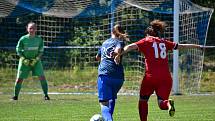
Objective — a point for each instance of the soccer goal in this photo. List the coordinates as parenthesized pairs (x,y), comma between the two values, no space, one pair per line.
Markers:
(73,30)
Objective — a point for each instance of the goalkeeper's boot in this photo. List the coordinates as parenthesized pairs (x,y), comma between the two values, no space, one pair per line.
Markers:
(14,98)
(172,108)
(46,97)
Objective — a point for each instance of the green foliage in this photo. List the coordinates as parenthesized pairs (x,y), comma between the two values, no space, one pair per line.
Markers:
(6,58)
(205,3)
(85,37)
(81,37)
(208,83)
(22,21)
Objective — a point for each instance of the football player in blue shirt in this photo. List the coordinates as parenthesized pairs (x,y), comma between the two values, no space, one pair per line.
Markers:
(110,74)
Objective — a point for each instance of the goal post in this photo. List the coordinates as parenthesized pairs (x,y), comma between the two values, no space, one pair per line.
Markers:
(175,52)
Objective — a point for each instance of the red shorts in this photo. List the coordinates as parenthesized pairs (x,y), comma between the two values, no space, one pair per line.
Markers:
(161,85)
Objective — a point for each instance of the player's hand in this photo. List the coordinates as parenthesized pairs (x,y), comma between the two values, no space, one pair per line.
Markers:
(113,54)
(117,59)
(34,61)
(25,61)
(202,47)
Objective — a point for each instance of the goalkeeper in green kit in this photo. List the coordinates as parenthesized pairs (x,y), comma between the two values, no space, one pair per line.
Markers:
(30,49)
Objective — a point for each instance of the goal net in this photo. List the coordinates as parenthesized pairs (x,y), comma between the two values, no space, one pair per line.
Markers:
(73,30)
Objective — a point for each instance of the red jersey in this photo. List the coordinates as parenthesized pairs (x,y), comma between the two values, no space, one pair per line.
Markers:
(156,55)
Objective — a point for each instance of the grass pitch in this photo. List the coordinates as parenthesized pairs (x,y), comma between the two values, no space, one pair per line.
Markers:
(82,107)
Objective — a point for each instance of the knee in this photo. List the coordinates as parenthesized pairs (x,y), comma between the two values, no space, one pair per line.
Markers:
(144,98)
(104,103)
(42,78)
(19,80)
(159,99)
(163,104)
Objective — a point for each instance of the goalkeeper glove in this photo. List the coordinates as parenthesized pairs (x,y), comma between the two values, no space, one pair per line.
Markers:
(34,61)
(25,61)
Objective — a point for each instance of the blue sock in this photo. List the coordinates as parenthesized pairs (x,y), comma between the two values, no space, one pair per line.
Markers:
(112,106)
(106,113)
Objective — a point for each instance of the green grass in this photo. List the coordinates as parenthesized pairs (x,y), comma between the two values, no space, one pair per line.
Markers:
(208,82)
(84,80)
(82,107)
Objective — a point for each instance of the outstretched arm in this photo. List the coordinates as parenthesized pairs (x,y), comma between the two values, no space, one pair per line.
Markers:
(187,46)
(126,49)
(130,47)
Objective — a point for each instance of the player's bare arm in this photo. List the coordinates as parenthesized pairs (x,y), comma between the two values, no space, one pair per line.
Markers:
(187,46)
(126,49)
(130,47)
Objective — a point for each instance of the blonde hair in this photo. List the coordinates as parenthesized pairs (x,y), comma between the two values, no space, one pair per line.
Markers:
(119,32)
(31,22)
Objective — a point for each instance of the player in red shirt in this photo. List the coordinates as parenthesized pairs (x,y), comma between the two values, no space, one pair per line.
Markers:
(157,75)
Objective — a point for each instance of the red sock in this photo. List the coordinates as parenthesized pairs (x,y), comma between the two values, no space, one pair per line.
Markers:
(143,110)
(164,105)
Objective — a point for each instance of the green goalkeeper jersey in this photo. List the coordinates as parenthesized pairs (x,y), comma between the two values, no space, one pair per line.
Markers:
(30,47)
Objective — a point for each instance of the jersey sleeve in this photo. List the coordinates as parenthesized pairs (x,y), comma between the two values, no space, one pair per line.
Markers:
(170,45)
(120,44)
(140,44)
(41,47)
(20,47)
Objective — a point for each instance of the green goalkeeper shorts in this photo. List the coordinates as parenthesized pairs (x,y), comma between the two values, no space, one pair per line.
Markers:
(23,70)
